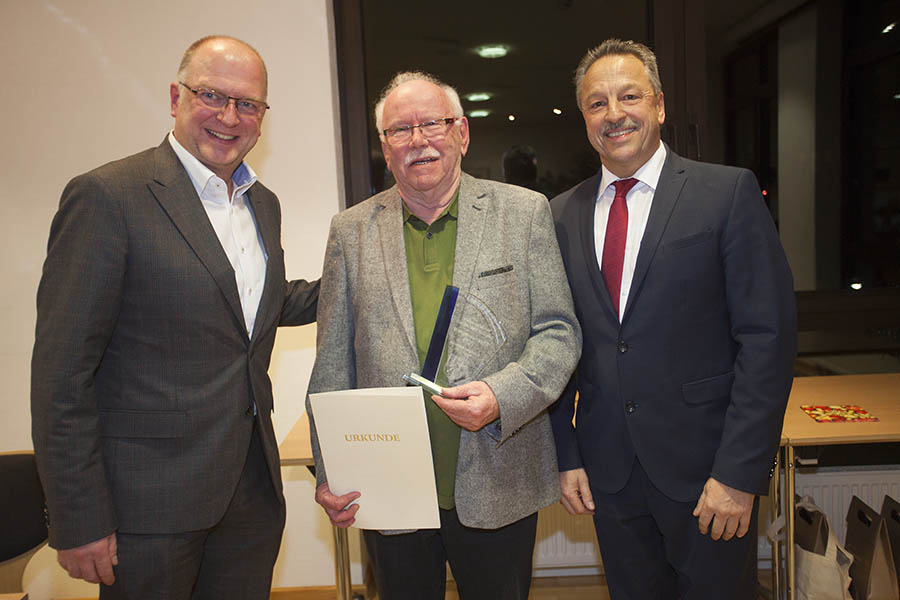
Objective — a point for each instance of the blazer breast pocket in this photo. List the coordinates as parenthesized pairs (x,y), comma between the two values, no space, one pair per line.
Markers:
(709,389)
(494,277)
(690,240)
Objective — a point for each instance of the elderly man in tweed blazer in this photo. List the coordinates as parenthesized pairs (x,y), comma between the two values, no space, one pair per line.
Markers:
(512,343)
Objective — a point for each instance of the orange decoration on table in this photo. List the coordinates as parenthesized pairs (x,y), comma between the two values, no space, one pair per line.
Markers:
(837,413)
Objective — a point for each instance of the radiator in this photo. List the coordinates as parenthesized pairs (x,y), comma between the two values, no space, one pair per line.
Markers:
(566,545)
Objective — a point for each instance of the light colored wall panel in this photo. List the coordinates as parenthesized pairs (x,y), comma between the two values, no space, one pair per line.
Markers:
(86,82)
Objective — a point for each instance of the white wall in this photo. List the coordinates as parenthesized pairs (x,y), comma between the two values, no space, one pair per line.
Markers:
(86,82)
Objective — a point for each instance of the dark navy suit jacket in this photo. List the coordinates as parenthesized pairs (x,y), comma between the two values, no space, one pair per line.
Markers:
(695,380)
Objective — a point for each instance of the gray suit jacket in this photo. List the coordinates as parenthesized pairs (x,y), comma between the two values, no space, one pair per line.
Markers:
(506,258)
(142,371)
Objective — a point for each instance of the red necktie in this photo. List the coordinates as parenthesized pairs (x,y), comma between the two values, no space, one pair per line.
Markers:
(614,242)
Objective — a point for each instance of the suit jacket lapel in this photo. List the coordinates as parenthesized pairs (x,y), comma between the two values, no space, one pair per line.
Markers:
(176,194)
(264,211)
(473,205)
(393,254)
(671,182)
(586,200)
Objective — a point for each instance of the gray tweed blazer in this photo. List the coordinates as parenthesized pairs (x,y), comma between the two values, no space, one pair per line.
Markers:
(510,275)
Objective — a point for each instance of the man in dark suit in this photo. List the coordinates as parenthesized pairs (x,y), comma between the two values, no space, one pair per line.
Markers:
(685,300)
(157,310)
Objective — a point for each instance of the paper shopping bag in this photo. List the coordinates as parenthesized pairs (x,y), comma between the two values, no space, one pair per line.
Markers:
(810,526)
(873,573)
(821,564)
(890,512)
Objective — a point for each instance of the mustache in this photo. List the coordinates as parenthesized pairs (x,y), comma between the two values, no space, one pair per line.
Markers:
(625,123)
(420,154)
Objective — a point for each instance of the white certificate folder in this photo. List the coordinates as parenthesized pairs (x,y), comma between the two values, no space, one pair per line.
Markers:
(375,441)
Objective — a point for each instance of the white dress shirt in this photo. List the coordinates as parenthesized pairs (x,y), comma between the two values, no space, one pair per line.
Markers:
(638,200)
(235,225)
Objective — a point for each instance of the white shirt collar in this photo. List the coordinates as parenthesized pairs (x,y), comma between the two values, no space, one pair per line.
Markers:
(648,173)
(201,176)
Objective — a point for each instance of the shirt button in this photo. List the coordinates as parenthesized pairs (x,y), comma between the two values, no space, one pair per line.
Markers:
(622,347)
(429,235)
(630,407)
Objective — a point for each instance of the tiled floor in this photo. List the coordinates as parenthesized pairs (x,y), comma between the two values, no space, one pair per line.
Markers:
(591,588)
(543,588)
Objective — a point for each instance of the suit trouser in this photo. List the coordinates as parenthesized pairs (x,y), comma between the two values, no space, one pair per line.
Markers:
(232,559)
(653,550)
(489,564)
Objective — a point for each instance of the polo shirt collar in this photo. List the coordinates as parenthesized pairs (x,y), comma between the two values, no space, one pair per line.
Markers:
(451,211)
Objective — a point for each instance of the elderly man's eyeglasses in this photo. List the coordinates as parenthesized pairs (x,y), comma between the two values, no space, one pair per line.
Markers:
(218,100)
(432,130)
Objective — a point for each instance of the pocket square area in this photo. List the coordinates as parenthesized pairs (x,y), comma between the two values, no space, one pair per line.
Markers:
(496,271)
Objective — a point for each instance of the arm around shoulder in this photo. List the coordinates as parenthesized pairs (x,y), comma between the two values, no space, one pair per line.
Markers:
(301,299)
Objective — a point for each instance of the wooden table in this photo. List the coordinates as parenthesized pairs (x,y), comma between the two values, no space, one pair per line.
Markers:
(878,394)
(296,450)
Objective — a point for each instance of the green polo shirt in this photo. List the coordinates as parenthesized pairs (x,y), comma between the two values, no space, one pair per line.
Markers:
(430,250)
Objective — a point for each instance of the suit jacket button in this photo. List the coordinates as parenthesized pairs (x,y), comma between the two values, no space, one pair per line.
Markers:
(630,407)
(623,347)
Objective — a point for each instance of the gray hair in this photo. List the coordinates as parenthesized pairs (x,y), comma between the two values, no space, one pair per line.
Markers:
(614,46)
(406,76)
(192,50)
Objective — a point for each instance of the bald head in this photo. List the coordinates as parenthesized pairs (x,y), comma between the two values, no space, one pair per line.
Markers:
(222,44)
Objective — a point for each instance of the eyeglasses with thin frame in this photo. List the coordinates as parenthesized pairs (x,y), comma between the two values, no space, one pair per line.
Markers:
(434,129)
(218,100)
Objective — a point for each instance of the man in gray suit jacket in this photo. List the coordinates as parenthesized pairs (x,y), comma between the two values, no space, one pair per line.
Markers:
(511,345)
(157,310)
